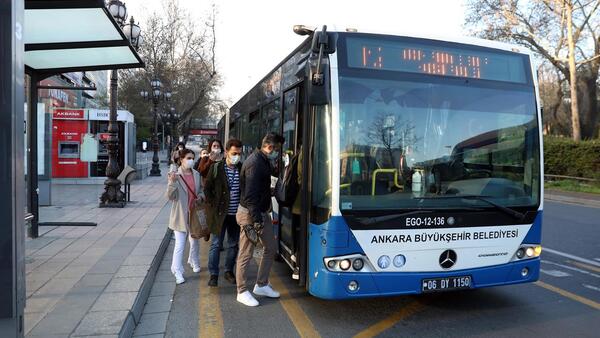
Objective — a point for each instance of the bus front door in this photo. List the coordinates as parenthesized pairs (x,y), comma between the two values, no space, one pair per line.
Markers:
(289,217)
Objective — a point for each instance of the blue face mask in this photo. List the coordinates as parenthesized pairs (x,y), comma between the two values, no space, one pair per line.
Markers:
(273,155)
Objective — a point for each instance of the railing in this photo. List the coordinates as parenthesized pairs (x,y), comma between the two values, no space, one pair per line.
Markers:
(389,171)
(553,177)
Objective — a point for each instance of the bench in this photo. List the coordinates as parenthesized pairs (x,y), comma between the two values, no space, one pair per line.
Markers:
(126,176)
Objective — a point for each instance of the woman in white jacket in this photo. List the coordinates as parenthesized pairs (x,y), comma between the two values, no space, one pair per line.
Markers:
(178,191)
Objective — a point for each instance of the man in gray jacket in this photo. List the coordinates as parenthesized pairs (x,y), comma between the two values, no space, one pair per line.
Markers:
(255,221)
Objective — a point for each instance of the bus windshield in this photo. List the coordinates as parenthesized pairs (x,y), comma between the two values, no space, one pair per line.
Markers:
(403,137)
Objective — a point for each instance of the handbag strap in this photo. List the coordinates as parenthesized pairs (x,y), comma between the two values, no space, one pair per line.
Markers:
(189,188)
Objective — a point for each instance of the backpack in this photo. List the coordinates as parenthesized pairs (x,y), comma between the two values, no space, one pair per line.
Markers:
(287,188)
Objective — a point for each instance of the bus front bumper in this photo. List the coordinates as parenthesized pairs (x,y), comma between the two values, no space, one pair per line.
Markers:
(334,285)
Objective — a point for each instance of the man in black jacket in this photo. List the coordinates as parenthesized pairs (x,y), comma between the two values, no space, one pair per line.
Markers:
(253,216)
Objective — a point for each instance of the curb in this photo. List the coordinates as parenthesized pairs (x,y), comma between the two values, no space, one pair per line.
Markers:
(135,314)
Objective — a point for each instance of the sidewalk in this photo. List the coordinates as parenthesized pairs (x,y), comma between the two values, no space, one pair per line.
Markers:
(592,200)
(91,281)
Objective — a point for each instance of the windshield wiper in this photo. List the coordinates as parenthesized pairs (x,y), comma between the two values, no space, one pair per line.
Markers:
(511,212)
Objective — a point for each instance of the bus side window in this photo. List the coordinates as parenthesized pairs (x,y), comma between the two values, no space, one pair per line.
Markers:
(289,122)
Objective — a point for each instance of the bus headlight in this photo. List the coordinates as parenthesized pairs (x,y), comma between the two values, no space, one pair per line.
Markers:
(348,263)
(353,286)
(528,251)
(345,264)
(383,262)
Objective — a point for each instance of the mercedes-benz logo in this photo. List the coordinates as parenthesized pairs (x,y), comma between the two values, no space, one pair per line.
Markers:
(448,259)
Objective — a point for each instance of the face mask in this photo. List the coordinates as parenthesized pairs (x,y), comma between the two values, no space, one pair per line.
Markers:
(273,155)
(188,163)
(180,148)
(235,159)
(216,150)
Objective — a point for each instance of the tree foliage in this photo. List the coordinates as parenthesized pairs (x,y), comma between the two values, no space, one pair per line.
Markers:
(180,51)
(565,33)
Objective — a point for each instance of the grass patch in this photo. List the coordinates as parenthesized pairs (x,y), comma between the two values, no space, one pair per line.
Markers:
(575,186)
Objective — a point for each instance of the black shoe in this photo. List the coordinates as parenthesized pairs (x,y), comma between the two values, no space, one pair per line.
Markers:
(213,281)
(230,277)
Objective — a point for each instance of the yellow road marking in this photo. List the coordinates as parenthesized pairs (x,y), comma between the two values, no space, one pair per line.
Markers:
(302,323)
(210,320)
(390,321)
(569,295)
(585,266)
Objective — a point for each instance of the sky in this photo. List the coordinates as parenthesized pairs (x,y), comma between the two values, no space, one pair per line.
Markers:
(253,36)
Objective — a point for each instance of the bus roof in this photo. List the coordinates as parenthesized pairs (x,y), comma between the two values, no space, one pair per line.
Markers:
(467,40)
(412,34)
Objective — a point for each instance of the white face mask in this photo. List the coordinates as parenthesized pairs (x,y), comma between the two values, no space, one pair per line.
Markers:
(235,159)
(188,163)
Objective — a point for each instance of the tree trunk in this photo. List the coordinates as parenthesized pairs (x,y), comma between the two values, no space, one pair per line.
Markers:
(588,99)
(576,126)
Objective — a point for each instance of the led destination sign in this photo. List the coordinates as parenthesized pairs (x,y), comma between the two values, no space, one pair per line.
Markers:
(429,58)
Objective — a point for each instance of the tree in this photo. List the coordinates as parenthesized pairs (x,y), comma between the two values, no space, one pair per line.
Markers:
(393,134)
(181,54)
(563,32)
(552,87)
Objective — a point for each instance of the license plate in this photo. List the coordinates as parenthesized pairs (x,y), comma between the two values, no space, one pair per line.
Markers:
(446,283)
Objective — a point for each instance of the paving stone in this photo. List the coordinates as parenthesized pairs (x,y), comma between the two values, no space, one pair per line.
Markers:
(32,285)
(57,323)
(158,304)
(76,303)
(31,320)
(56,287)
(110,301)
(163,288)
(37,303)
(140,260)
(133,271)
(107,266)
(73,272)
(95,279)
(125,284)
(152,323)
(163,276)
(84,281)
(101,323)
(141,251)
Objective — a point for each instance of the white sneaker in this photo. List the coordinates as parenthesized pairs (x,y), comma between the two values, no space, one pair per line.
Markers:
(266,290)
(195,268)
(247,299)
(179,278)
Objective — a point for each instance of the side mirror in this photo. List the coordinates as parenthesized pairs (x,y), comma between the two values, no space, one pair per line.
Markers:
(320,93)
(323,44)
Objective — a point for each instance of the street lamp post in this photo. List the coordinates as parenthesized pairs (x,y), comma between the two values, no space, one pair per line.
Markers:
(113,197)
(156,96)
(173,118)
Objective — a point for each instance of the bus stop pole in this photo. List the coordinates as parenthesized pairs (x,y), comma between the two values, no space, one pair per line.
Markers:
(12,194)
(32,158)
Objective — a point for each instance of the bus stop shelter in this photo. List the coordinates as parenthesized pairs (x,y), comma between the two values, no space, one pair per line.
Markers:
(40,38)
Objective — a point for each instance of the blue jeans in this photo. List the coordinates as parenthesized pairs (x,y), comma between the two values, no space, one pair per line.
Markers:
(231,250)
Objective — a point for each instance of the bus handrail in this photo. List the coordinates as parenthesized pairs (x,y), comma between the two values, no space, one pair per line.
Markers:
(377,171)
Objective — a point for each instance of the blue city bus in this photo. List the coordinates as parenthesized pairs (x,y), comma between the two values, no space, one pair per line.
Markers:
(420,162)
